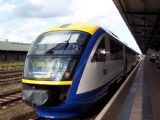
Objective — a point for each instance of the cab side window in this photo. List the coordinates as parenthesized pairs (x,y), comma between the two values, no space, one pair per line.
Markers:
(100,54)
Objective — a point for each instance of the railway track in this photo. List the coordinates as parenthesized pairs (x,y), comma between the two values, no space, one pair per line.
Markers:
(12,74)
(35,118)
(9,71)
(9,98)
(8,77)
(10,80)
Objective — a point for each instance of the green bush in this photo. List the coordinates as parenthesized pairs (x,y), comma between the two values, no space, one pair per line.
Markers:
(9,66)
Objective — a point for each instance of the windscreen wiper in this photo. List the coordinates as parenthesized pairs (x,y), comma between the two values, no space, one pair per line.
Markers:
(67,43)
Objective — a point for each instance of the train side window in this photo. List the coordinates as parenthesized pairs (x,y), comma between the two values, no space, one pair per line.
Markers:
(116,50)
(100,54)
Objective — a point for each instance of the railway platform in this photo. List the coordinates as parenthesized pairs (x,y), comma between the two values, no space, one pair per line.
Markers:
(142,102)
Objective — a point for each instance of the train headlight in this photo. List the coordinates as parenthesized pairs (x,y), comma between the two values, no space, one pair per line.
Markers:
(67,75)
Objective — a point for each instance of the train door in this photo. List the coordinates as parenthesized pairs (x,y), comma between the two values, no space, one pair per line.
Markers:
(115,66)
(94,75)
(125,60)
(108,58)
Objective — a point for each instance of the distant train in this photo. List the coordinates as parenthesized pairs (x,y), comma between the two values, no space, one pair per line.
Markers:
(71,67)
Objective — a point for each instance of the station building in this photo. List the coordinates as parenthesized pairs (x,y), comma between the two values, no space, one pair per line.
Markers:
(10,51)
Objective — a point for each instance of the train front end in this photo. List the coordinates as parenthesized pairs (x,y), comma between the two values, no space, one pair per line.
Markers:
(50,67)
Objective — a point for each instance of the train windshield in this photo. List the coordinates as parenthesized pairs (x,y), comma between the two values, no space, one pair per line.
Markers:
(54,55)
(59,42)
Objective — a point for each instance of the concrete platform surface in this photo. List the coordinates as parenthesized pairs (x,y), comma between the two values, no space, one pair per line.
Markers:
(143,100)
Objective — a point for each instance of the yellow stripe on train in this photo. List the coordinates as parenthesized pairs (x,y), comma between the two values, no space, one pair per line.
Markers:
(90,28)
(40,82)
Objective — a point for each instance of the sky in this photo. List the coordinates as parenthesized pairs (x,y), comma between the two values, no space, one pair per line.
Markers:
(23,20)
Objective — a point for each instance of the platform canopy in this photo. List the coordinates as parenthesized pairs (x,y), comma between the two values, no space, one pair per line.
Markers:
(143,19)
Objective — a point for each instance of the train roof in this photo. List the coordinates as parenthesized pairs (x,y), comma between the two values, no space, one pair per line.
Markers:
(9,46)
(90,28)
(118,39)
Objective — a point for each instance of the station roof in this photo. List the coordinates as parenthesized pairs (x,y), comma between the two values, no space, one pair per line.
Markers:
(143,19)
(9,46)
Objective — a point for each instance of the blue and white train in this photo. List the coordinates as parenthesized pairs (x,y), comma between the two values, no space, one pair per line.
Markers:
(70,67)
